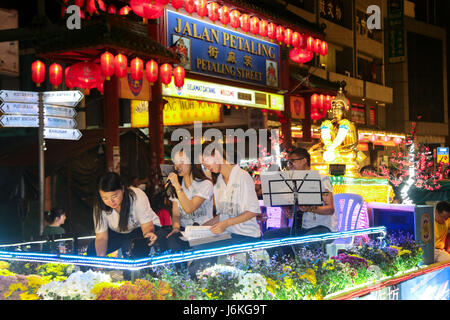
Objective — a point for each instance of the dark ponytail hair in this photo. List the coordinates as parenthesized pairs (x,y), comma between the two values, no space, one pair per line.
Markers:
(196,169)
(50,216)
(109,182)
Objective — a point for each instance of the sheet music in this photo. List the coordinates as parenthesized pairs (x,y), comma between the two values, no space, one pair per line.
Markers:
(199,232)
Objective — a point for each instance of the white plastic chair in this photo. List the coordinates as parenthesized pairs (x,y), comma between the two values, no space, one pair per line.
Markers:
(347,208)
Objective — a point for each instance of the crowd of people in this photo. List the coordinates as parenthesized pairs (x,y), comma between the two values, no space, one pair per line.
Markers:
(210,192)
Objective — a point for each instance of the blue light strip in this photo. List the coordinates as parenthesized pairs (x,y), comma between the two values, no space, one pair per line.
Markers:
(42,241)
(137,264)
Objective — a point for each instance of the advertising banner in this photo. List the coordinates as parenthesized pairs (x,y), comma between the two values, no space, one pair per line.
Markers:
(177,112)
(219,93)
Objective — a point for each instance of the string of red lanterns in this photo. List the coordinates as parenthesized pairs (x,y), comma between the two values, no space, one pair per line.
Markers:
(320,104)
(88,75)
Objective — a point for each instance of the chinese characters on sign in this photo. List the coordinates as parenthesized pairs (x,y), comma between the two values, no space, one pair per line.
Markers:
(332,10)
(220,52)
(396,34)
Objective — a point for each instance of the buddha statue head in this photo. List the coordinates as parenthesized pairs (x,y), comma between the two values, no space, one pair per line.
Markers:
(340,106)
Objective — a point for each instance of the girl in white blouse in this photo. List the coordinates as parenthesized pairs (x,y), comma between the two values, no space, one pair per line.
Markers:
(194,202)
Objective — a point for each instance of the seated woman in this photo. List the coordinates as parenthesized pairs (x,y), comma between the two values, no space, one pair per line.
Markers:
(193,204)
(122,215)
(235,199)
(55,218)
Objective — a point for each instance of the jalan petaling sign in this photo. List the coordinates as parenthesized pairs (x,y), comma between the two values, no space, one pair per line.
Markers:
(220,52)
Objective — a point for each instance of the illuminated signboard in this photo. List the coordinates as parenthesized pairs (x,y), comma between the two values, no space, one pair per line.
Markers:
(208,91)
(220,52)
(442,155)
(177,112)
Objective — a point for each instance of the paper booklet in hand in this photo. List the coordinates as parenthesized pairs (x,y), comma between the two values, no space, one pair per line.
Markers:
(197,235)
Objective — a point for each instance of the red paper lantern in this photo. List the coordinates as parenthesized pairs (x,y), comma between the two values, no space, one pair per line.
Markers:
(79,3)
(178,76)
(202,7)
(177,4)
(120,65)
(254,25)
(272,31)
(151,71)
(317,45)
(263,28)
(288,36)
(324,48)
(245,22)
(166,73)
(69,78)
(213,11)
(163,2)
(189,6)
(280,34)
(112,9)
(136,69)
(87,75)
(295,39)
(38,72)
(302,42)
(124,10)
(315,105)
(397,140)
(90,7)
(107,64)
(310,44)
(101,5)
(153,10)
(300,55)
(224,15)
(55,74)
(235,19)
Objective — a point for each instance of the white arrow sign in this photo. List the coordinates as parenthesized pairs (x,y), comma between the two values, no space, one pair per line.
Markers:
(19,96)
(60,98)
(33,121)
(20,108)
(19,121)
(63,98)
(33,109)
(64,134)
(50,110)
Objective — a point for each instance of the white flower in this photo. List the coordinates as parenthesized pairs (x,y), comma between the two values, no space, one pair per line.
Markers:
(77,286)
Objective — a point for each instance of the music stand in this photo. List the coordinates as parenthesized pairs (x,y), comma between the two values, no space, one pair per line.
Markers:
(297,188)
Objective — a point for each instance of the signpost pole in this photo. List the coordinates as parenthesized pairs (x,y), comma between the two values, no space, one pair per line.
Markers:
(41,163)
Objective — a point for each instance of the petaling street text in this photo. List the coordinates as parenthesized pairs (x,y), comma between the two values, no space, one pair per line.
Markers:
(220,68)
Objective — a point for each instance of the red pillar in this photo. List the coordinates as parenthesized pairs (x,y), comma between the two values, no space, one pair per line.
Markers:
(155,121)
(286,127)
(306,123)
(111,123)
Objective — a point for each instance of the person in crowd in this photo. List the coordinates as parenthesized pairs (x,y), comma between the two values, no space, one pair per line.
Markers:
(441,230)
(55,218)
(121,215)
(162,206)
(315,220)
(235,199)
(193,204)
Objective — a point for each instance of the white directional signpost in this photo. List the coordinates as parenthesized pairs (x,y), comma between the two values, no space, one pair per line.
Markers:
(51,111)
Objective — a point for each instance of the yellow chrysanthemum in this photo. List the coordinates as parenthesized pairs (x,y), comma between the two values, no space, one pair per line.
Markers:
(6,273)
(287,268)
(318,295)
(14,287)
(402,252)
(4,265)
(288,283)
(28,296)
(35,282)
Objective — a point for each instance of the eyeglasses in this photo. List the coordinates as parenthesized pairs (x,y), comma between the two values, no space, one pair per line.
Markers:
(291,161)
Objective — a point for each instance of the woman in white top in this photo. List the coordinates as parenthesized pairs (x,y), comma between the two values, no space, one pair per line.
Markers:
(194,202)
(121,215)
(235,199)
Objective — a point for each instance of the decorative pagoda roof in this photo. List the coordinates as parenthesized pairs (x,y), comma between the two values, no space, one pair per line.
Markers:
(106,32)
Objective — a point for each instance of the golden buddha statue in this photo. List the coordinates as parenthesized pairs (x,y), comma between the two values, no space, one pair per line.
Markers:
(339,140)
